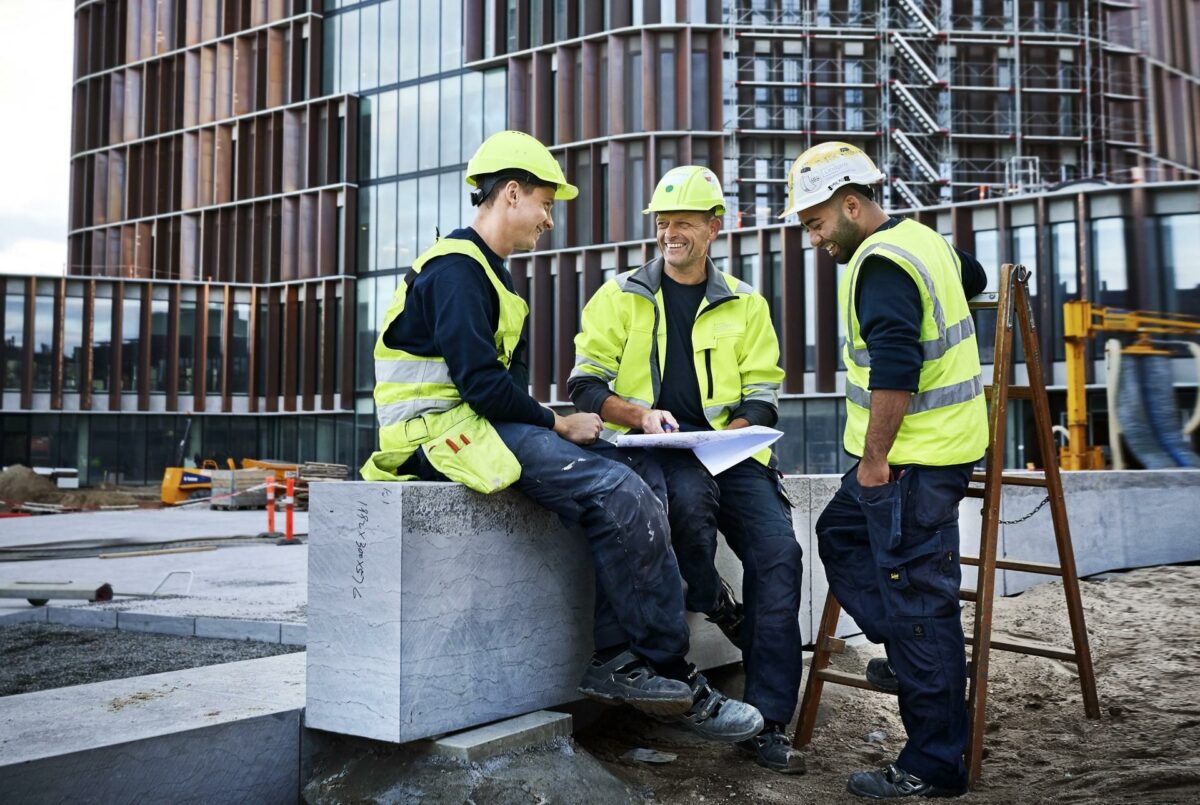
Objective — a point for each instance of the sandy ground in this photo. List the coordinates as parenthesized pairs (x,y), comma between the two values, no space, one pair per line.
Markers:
(40,656)
(1039,746)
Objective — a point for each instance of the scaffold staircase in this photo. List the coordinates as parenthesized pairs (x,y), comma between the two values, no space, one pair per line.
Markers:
(919,150)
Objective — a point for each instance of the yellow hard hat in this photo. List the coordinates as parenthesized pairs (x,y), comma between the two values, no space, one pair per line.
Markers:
(688,187)
(516,150)
(818,173)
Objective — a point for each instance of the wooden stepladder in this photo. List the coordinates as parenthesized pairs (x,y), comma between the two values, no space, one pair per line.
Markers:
(1013,311)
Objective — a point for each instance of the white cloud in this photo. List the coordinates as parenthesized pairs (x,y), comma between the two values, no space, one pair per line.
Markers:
(36,53)
(33,257)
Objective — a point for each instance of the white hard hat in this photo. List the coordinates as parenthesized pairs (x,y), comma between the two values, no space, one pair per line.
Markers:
(818,173)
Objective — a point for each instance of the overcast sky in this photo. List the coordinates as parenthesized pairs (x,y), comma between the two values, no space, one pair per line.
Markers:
(35,128)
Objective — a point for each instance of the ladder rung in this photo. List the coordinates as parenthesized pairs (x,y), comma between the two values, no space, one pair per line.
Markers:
(974,492)
(1014,392)
(1019,647)
(1013,480)
(851,680)
(968,594)
(1013,564)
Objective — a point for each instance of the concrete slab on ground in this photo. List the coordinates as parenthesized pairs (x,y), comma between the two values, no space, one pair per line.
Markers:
(220,733)
(84,529)
(246,582)
(481,743)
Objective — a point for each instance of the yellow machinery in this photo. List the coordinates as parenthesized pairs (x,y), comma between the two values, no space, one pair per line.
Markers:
(181,484)
(1083,320)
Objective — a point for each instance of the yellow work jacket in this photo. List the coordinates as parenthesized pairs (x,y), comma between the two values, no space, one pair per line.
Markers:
(419,407)
(623,341)
(946,422)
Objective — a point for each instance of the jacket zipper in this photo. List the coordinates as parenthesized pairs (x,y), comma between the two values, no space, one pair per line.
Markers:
(708,368)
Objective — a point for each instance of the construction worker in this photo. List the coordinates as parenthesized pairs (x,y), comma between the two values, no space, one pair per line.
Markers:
(452,400)
(678,345)
(917,422)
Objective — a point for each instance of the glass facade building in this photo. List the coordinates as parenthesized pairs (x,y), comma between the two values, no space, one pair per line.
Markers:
(251,179)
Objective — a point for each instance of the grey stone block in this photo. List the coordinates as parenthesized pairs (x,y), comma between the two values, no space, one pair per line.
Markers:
(293,634)
(31,615)
(88,618)
(481,743)
(224,733)
(159,624)
(231,629)
(432,608)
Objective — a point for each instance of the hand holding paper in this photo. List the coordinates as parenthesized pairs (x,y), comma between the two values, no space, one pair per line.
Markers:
(718,450)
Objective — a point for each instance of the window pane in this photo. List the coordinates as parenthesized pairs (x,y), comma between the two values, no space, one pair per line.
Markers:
(430,41)
(495,102)
(131,338)
(349,52)
(187,347)
(386,227)
(389,42)
(427,156)
(1180,238)
(449,212)
(101,342)
(633,90)
(368,71)
(406,223)
(987,251)
(216,347)
(452,55)
(72,342)
(239,350)
(409,36)
(1110,284)
(43,342)
(406,161)
(666,80)
(330,74)
(451,116)
(14,338)
(472,118)
(1063,253)
(386,106)
(427,210)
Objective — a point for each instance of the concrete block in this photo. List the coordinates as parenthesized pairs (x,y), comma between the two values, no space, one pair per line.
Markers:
(159,624)
(822,490)
(223,733)
(432,608)
(481,743)
(88,618)
(231,629)
(293,634)
(30,615)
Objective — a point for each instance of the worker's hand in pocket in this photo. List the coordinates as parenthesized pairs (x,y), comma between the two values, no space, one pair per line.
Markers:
(658,421)
(579,428)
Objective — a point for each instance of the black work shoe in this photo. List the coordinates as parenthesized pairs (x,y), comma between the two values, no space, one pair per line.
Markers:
(628,679)
(729,615)
(715,716)
(882,675)
(892,782)
(773,750)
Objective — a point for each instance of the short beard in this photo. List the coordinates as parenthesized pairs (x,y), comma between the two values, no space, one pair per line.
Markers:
(845,235)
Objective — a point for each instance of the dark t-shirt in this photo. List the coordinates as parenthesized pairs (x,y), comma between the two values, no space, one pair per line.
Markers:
(680,390)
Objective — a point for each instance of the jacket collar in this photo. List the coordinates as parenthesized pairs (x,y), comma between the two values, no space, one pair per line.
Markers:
(647,281)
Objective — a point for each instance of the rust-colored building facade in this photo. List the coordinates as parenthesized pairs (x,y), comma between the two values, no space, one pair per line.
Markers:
(251,178)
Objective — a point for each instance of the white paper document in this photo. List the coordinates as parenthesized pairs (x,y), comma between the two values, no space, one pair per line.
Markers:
(718,450)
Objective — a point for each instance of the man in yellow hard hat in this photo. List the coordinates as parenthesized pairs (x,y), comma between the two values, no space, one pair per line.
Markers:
(679,345)
(452,401)
(917,421)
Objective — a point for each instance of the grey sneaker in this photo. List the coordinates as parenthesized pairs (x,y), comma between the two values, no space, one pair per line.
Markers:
(881,674)
(772,749)
(717,717)
(628,679)
(893,782)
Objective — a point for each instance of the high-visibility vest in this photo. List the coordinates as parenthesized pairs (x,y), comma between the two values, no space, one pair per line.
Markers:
(623,341)
(946,422)
(419,407)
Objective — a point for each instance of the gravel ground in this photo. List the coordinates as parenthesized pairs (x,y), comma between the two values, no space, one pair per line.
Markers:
(40,656)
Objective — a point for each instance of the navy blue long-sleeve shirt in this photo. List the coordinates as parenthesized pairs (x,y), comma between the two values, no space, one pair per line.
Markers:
(452,310)
(889,310)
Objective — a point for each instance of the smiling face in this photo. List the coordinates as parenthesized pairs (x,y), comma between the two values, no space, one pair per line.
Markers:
(835,226)
(528,213)
(683,238)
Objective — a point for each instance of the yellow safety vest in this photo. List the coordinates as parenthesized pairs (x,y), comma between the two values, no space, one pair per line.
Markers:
(946,422)
(419,407)
(736,353)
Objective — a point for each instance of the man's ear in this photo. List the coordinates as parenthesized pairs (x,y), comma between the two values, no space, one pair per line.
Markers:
(851,205)
(714,227)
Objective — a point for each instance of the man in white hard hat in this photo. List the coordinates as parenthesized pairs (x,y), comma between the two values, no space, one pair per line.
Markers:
(917,422)
(679,345)
(452,399)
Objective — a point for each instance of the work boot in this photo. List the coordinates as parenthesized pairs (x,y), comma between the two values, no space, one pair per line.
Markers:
(628,679)
(772,749)
(893,782)
(715,716)
(728,615)
(882,675)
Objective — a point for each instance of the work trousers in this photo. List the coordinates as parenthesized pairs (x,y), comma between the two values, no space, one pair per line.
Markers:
(639,595)
(891,557)
(747,504)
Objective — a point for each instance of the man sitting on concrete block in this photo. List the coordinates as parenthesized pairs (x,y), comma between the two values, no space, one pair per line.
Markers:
(451,396)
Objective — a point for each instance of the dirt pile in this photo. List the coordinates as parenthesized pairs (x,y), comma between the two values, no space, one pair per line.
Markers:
(95,498)
(20,484)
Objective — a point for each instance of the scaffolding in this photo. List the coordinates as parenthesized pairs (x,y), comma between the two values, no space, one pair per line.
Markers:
(954,99)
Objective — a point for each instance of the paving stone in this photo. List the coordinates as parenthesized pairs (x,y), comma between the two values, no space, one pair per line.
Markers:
(481,743)
(30,615)
(160,624)
(89,618)
(232,629)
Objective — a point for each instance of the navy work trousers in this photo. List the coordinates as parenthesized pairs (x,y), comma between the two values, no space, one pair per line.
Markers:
(639,594)
(891,557)
(747,504)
